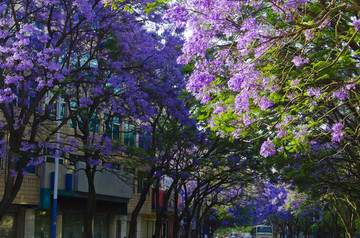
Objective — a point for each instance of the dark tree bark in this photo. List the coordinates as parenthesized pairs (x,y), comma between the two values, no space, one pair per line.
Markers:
(177,219)
(91,201)
(139,205)
(160,212)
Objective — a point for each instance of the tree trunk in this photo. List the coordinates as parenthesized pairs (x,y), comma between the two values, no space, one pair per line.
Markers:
(283,231)
(10,192)
(190,217)
(336,226)
(197,219)
(12,186)
(160,211)
(186,213)
(136,211)
(176,227)
(188,228)
(158,221)
(347,218)
(91,202)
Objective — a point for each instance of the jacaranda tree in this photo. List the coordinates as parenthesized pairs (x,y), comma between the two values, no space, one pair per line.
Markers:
(283,71)
(131,76)
(92,59)
(37,43)
(287,66)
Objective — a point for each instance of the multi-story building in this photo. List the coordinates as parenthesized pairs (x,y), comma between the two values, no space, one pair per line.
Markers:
(117,194)
(113,195)
(19,220)
(167,223)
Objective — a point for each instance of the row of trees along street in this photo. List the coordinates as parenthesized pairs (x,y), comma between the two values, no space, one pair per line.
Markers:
(254,116)
(103,65)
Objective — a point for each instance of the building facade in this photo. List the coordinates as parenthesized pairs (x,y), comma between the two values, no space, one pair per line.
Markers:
(117,194)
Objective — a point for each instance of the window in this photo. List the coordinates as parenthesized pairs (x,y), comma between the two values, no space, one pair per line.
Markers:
(53,111)
(113,128)
(144,141)
(141,184)
(94,124)
(18,100)
(73,107)
(75,158)
(75,121)
(29,169)
(42,224)
(266,229)
(101,226)
(129,135)
(78,121)
(50,153)
(72,224)
(116,166)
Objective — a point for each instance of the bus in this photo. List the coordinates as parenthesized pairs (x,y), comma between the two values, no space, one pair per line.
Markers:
(261,231)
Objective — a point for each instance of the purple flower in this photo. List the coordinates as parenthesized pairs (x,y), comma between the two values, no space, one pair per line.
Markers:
(325,23)
(265,104)
(185,175)
(13,173)
(35,161)
(356,24)
(337,127)
(93,162)
(85,102)
(267,148)
(157,174)
(298,60)
(337,134)
(24,172)
(281,133)
(301,133)
(350,86)
(309,34)
(26,147)
(341,94)
(313,92)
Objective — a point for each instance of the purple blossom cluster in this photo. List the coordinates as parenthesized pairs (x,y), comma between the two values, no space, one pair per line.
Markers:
(244,79)
(299,60)
(341,93)
(337,132)
(267,148)
(252,68)
(97,61)
(356,24)
(274,203)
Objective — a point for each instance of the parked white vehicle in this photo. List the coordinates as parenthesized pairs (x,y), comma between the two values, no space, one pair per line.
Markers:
(262,231)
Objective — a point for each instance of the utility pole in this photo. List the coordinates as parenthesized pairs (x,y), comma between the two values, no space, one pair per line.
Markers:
(56,175)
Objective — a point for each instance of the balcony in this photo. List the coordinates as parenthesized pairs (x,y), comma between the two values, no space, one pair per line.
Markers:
(110,185)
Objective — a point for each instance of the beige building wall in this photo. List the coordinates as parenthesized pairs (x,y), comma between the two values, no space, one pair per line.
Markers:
(145,210)
(29,190)
(144,215)
(148,226)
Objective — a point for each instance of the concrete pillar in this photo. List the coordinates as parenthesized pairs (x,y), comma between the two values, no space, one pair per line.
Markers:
(112,226)
(138,227)
(29,223)
(123,219)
